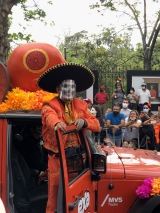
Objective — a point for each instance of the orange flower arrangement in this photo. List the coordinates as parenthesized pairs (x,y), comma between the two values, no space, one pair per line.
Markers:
(18,99)
(156,187)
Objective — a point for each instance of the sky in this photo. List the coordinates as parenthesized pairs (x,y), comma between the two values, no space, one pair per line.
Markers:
(70,16)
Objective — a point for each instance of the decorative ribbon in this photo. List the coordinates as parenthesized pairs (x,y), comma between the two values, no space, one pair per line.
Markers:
(68,113)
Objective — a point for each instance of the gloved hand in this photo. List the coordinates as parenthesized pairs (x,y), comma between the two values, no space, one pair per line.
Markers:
(61,126)
(43,177)
(79,123)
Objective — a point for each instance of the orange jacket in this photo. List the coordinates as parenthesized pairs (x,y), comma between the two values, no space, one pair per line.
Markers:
(52,113)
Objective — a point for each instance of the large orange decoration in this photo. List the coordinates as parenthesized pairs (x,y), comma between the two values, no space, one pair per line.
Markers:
(28,61)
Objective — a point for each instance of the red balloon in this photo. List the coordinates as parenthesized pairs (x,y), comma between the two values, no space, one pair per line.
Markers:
(28,61)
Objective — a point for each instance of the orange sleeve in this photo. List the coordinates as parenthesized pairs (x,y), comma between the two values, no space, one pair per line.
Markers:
(49,116)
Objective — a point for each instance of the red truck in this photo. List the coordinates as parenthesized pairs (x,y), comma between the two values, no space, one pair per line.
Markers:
(102,179)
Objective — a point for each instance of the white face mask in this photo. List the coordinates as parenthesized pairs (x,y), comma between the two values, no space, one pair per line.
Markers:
(125,105)
(131,91)
(143,87)
(132,118)
(93,111)
(67,90)
(117,81)
(145,110)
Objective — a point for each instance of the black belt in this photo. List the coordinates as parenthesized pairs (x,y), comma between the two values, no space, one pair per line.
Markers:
(51,153)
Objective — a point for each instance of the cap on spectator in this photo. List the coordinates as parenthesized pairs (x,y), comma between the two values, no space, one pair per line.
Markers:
(147,104)
(88,100)
(118,79)
(102,87)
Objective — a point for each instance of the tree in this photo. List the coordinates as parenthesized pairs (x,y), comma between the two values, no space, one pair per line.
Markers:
(30,13)
(99,51)
(107,52)
(133,8)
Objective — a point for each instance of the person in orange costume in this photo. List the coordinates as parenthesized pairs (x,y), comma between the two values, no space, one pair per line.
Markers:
(156,123)
(65,79)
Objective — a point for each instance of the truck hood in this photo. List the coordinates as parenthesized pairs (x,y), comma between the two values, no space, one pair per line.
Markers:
(129,163)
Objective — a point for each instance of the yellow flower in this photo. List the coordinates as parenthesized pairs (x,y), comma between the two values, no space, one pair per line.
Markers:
(18,99)
(156,187)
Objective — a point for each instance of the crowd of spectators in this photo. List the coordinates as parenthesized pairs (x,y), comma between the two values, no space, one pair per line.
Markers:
(130,123)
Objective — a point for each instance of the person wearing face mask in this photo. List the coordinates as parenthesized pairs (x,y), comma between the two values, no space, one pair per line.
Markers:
(146,112)
(62,111)
(147,127)
(118,83)
(115,121)
(101,98)
(132,98)
(125,110)
(90,106)
(144,96)
(118,96)
(132,125)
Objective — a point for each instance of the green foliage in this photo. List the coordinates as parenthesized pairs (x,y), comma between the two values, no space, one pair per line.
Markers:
(136,10)
(156,56)
(107,52)
(19,36)
(104,3)
(31,12)
(103,50)
(35,14)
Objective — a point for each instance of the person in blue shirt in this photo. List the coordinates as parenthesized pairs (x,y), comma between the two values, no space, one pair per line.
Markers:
(115,121)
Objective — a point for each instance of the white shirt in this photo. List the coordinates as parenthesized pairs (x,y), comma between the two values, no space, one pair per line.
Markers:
(131,132)
(143,96)
(125,112)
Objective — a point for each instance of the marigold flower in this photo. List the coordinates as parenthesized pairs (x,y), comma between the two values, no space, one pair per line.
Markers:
(18,99)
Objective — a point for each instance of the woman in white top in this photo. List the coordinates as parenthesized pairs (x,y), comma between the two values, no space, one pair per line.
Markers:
(132,125)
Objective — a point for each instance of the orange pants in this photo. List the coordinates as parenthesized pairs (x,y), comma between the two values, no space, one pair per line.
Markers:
(53,183)
(157,131)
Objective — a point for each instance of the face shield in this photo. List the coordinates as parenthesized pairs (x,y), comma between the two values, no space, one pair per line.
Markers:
(67,90)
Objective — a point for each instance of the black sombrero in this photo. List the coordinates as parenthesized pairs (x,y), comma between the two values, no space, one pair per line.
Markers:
(83,77)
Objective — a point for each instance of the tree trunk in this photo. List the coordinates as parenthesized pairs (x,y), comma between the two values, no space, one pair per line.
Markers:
(5,10)
(147,64)
(147,59)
